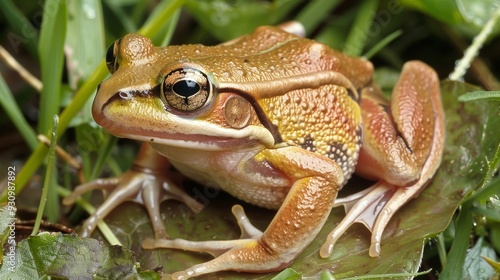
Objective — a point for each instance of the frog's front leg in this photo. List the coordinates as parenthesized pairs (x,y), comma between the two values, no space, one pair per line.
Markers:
(402,149)
(315,181)
(145,183)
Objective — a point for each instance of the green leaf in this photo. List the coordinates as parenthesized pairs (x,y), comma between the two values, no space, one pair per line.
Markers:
(288,274)
(7,227)
(476,267)
(62,255)
(476,95)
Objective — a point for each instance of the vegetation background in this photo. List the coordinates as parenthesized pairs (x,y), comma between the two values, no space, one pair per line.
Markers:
(451,231)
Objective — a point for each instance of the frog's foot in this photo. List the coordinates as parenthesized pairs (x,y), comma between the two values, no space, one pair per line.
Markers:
(249,237)
(372,207)
(145,183)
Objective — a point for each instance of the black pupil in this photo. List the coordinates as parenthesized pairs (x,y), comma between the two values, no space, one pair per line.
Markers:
(186,88)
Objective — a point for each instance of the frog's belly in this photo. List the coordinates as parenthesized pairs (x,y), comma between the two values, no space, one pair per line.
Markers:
(237,176)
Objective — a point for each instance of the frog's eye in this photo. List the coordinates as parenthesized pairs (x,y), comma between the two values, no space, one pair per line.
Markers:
(186,89)
(111,56)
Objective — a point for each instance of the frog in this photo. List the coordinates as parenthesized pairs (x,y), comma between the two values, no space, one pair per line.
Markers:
(276,120)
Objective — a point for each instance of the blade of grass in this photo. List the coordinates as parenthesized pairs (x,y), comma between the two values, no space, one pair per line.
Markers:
(172,24)
(166,10)
(10,107)
(382,44)
(51,61)
(23,30)
(356,40)
(315,12)
(126,21)
(163,35)
(288,274)
(493,188)
(48,182)
(281,9)
(472,51)
(477,95)
(86,51)
(456,255)
(490,214)
(140,9)
(441,249)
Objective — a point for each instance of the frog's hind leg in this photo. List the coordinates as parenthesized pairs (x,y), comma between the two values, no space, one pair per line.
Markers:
(402,149)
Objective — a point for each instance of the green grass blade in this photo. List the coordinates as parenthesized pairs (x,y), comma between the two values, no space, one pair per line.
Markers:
(484,193)
(51,61)
(472,51)
(288,274)
(23,31)
(171,25)
(14,112)
(477,95)
(441,249)
(154,24)
(126,20)
(89,50)
(456,256)
(382,44)
(315,12)
(49,176)
(356,40)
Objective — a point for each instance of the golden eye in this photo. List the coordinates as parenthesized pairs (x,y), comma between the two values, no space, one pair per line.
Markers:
(186,89)
(111,56)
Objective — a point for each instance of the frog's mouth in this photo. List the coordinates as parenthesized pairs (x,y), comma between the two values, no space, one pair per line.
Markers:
(144,119)
(191,141)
